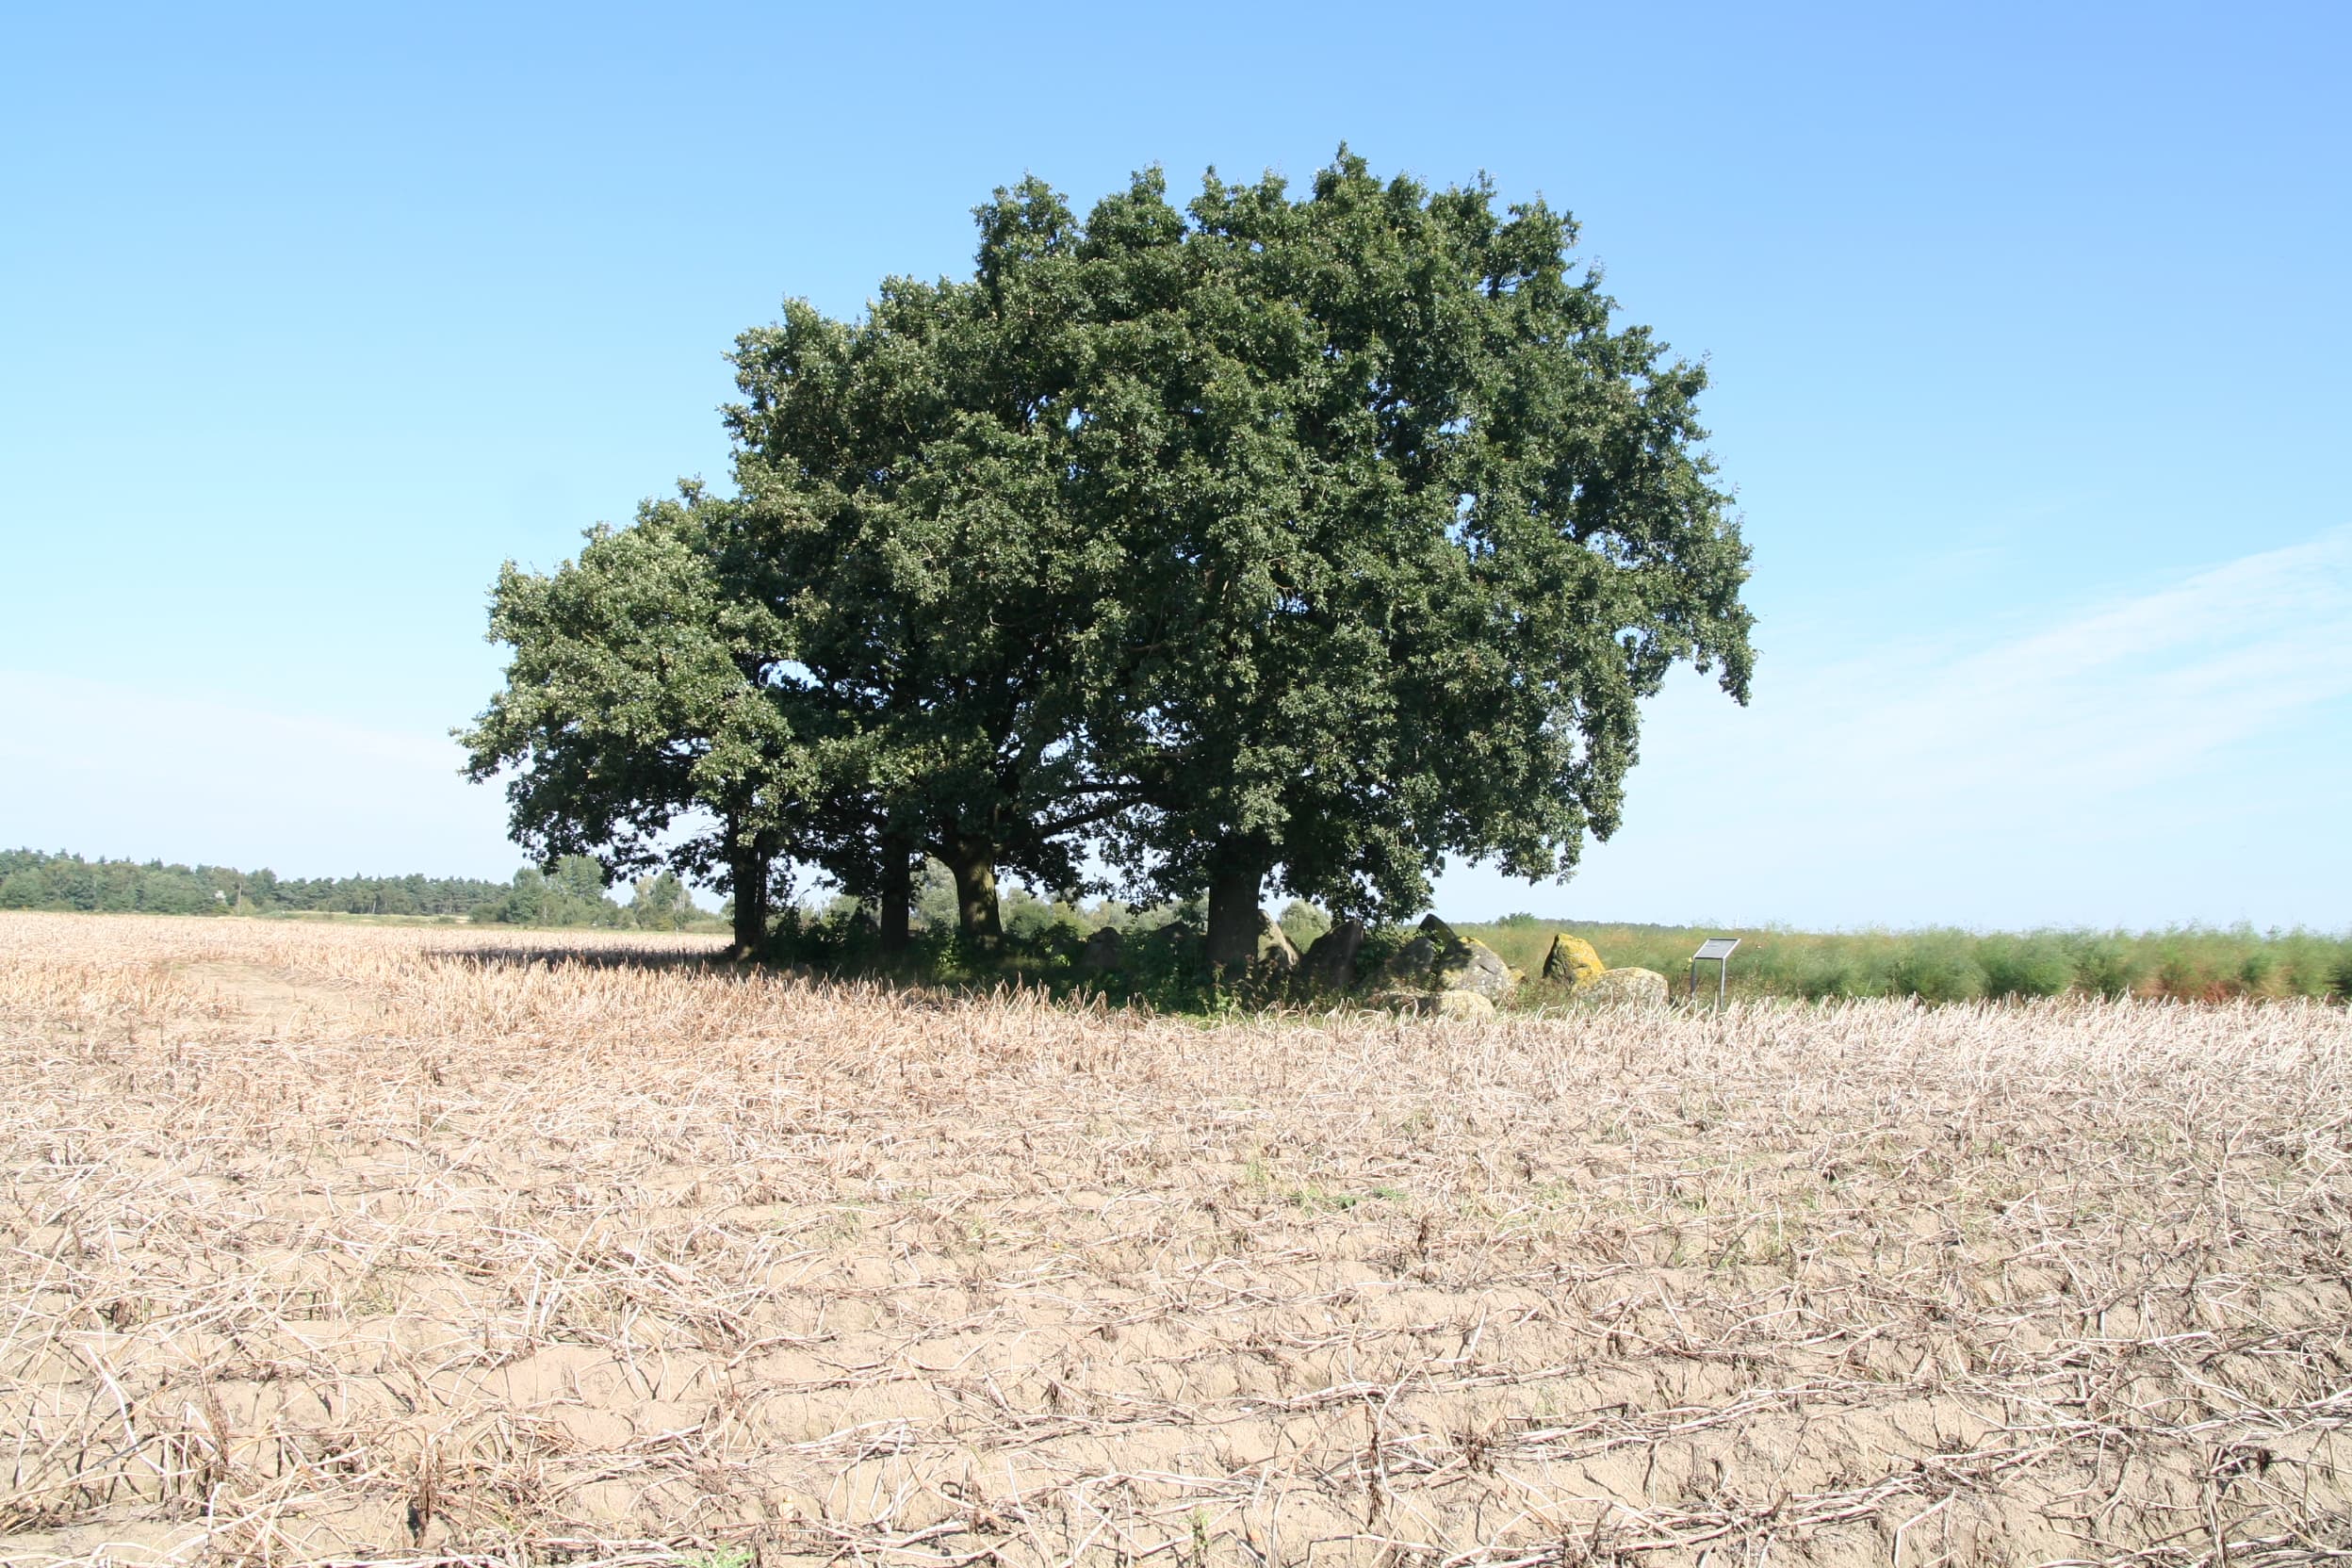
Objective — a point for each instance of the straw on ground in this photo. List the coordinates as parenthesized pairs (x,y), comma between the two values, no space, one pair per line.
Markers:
(416,1245)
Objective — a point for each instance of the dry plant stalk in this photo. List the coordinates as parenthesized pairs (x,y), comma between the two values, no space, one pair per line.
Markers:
(425,1246)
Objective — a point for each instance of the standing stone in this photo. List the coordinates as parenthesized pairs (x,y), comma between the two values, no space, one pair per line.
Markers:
(1480,970)
(1572,961)
(1330,965)
(1442,960)
(1414,966)
(1411,967)
(1105,950)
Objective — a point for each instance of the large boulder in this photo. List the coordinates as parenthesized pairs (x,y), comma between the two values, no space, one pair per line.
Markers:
(1463,1004)
(1481,971)
(1455,1005)
(1330,965)
(1105,951)
(1572,961)
(1440,960)
(1624,988)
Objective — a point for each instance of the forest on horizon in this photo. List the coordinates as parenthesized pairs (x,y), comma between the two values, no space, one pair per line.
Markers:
(573,894)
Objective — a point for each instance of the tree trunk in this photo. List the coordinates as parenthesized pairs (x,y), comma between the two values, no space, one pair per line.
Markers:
(1233,919)
(972,862)
(898,892)
(747,870)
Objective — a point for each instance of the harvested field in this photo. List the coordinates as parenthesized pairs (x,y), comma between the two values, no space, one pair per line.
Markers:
(422,1244)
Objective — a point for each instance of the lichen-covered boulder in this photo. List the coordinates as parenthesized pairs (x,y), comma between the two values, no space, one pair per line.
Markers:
(1330,965)
(1624,988)
(1456,1005)
(1481,972)
(1440,960)
(1462,1004)
(1572,961)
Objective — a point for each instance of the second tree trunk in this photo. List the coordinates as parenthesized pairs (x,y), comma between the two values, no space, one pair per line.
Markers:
(747,871)
(973,866)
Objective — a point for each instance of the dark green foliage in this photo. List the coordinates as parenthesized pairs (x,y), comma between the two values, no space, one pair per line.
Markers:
(661,903)
(1409,524)
(32,880)
(1938,966)
(1041,925)
(2037,965)
(573,894)
(1315,539)
(1383,942)
(645,718)
(908,480)
(1040,947)
(2108,965)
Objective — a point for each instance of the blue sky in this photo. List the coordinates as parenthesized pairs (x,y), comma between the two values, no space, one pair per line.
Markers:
(2028,328)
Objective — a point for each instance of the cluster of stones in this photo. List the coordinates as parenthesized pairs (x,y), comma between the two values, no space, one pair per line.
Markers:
(1455,976)
(1438,972)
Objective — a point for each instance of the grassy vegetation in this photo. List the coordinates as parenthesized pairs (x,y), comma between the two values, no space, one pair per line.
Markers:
(1161,956)
(2190,963)
(1161,959)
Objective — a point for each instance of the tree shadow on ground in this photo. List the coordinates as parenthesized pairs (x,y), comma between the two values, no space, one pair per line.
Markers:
(1174,993)
(600,955)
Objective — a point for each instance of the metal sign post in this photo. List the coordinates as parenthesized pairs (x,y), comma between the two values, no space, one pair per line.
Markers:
(1718,949)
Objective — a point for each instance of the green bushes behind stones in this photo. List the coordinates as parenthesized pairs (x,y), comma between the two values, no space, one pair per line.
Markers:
(1950,965)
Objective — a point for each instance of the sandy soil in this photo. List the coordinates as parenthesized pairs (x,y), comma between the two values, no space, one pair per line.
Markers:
(414,1245)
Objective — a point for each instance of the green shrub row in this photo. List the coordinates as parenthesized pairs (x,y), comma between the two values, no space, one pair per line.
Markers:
(2194,963)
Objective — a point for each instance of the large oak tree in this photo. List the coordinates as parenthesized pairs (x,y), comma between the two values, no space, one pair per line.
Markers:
(1409,525)
(1310,540)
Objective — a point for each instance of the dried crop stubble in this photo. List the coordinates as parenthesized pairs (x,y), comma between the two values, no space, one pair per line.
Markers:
(413,1244)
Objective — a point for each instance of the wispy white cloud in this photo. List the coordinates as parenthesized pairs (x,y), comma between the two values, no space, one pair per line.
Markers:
(2162,756)
(2110,698)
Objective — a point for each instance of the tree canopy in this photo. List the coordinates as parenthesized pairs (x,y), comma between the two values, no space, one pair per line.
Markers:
(1305,540)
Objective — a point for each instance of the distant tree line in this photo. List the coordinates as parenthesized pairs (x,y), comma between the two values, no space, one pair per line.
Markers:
(572,895)
(1264,540)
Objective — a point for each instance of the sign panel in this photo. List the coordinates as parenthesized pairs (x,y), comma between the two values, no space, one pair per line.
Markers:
(1715,947)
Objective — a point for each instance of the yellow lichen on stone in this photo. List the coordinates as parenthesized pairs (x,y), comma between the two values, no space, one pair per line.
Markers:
(1463,1004)
(1572,961)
